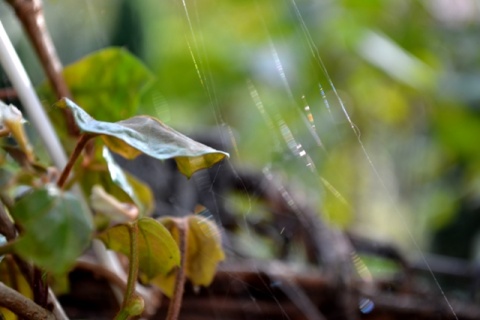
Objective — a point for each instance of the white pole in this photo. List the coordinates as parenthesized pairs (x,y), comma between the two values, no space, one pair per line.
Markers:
(29,99)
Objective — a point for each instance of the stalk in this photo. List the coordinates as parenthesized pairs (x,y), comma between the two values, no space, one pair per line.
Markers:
(176,301)
(82,142)
(125,311)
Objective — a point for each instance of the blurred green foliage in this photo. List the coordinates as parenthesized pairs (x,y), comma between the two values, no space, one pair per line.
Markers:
(406,73)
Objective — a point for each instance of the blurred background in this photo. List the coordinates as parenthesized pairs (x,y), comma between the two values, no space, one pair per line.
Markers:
(369,109)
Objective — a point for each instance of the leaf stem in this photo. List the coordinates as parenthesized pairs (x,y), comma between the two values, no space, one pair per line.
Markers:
(176,301)
(124,312)
(133,267)
(82,142)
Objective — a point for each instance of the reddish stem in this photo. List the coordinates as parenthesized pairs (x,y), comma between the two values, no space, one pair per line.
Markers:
(84,138)
(30,14)
(176,301)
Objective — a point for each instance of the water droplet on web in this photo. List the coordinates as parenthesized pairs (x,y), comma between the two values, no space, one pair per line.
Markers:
(366,305)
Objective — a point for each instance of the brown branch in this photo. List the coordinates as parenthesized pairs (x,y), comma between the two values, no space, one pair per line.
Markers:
(6,225)
(22,306)
(7,93)
(30,14)
(176,301)
(257,290)
(81,143)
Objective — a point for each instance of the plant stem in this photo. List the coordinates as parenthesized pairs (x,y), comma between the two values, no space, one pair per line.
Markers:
(7,248)
(38,285)
(6,225)
(176,301)
(82,142)
(7,94)
(30,14)
(124,313)
(22,306)
(133,266)
(40,288)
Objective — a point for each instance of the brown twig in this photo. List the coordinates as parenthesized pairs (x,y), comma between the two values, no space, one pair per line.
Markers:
(81,143)
(6,225)
(176,301)
(30,14)
(22,306)
(7,93)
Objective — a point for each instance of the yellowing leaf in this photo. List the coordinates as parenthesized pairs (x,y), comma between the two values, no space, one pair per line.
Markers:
(157,251)
(203,252)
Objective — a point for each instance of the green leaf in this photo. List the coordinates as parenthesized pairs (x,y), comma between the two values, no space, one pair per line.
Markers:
(136,190)
(158,251)
(204,252)
(55,229)
(107,83)
(145,134)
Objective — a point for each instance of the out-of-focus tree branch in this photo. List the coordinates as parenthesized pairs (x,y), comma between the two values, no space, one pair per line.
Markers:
(30,14)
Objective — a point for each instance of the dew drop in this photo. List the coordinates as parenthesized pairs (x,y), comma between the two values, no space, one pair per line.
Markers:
(366,305)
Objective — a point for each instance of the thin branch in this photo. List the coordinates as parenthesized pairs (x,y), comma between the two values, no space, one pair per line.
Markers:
(7,248)
(176,301)
(133,265)
(22,306)
(40,287)
(6,225)
(125,310)
(30,14)
(82,142)
(7,93)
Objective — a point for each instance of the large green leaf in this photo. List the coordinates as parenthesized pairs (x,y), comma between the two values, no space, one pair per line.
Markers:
(157,251)
(55,230)
(107,83)
(145,134)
